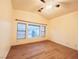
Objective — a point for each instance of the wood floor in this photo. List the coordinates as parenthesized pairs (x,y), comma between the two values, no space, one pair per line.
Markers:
(42,50)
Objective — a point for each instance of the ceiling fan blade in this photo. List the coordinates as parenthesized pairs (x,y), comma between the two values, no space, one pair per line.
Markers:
(42,1)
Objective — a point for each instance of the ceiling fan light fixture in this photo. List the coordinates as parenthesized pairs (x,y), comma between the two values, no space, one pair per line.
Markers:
(48,7)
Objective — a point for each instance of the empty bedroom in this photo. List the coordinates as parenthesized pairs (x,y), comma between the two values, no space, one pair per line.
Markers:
(38,29)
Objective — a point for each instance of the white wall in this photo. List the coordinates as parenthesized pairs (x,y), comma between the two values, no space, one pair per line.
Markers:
(63,30)
(27,16)
(5,27)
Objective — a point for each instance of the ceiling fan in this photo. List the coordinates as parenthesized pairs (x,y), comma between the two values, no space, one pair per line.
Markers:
(43,1)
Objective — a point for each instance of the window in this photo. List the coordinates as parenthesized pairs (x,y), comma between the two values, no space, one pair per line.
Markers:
(36,30)
(33,31)
(21,31)
(43,31)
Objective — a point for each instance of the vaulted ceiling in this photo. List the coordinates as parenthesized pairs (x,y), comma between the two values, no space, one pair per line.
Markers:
(49,7)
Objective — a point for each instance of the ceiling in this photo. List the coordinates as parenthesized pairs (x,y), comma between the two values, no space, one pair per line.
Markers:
(50,10)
